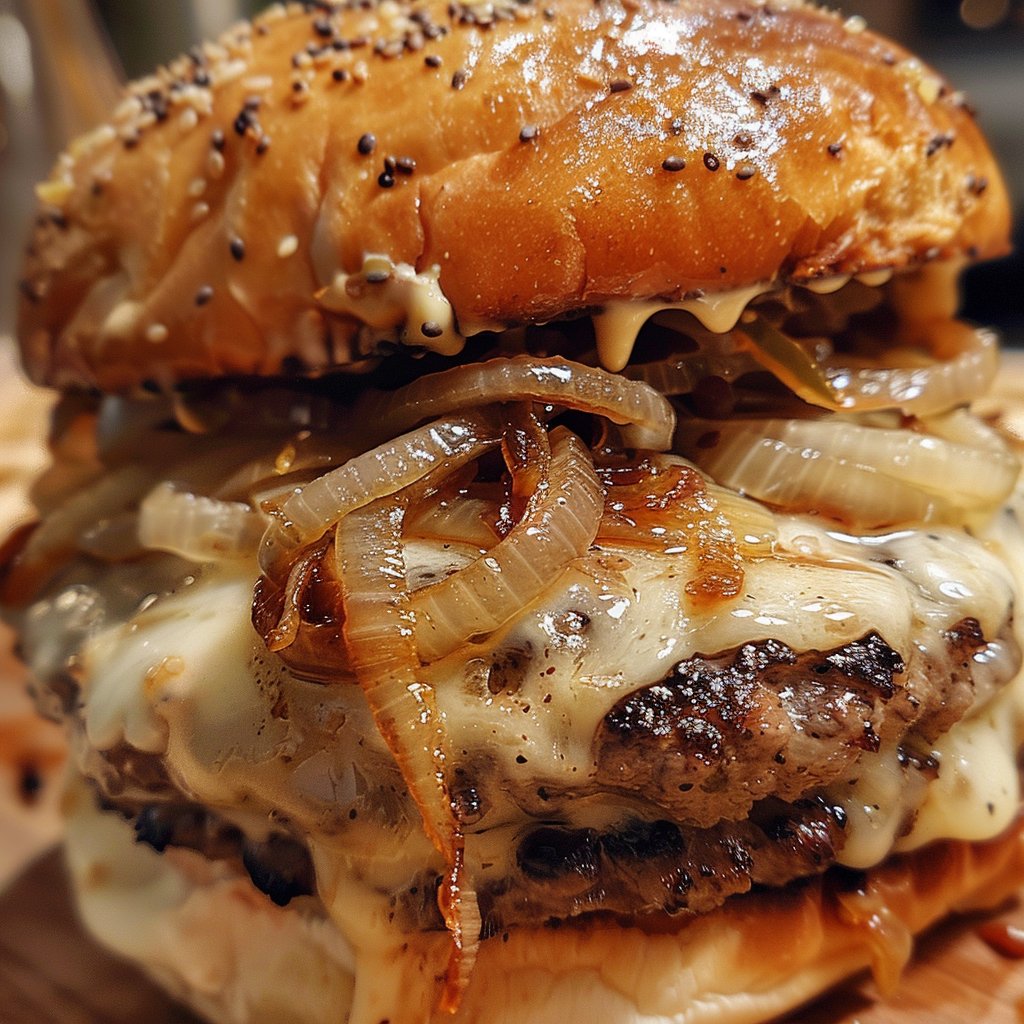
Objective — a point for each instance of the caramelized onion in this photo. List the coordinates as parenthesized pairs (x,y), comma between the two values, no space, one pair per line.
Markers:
(379,637)
(863,475)
(647,417)
(198,528)
(308,513)
(964,365)
(559,524)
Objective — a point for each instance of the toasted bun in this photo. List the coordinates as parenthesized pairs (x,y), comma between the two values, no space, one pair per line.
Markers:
(208,937)
(540,188)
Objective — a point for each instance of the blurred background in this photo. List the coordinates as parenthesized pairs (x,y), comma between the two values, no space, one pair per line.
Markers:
(60,59)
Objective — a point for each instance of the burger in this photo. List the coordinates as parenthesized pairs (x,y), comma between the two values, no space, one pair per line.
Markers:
(518,547)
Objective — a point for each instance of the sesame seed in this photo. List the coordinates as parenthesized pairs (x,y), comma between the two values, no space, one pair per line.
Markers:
(340,75)
(322,27)
(459,78)
(620,85)
(745,172)
(431,329)
(432,60)
(215,164)
(263,145)
(196,187)
(377,276)
(673,163)
(217,140)
(385,180)
(711,162)
(237,247)
(367,143)
(528,133)
(288,246)
(204,295)
(835,149)
(676,126)
(390,163)
(743,140)
(156,333)
(405,165)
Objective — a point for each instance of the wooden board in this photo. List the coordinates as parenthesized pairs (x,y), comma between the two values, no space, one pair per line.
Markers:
(52,973)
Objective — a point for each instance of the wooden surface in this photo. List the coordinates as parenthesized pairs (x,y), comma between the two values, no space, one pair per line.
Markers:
(52,973)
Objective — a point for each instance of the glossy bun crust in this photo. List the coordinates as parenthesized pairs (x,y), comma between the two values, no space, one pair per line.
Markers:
(539,151)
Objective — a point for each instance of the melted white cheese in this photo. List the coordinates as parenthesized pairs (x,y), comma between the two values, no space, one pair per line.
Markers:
(616,327)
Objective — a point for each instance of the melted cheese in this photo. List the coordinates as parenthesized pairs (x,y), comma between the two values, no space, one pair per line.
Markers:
(616,327)
(390,297)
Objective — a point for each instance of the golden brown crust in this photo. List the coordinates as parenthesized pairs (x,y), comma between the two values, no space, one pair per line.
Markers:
(811,148)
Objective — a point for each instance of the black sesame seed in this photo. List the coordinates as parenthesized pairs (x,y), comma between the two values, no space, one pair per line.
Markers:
(377,276)
(711,162)
(743,140)
(431,329)
(673,163)
(745,172)
(263,145)
(390,164)
(339,44)
(217,140)
(405,165)
(385,180)
(367,143)
(322,27)
(528,133)
(340,75)
(202,79)
(459,78)
(204,295)
(835,149)
(298,86)
(432,60)
(237,247)
(620,85)
(676,126)
(253,102)
(976,185)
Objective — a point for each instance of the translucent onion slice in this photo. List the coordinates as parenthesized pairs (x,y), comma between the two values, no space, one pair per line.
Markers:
(311,511)
(378,633)
(198,528)
(647,417)
(379,637)
(559,524)
(868,476)
(965,364)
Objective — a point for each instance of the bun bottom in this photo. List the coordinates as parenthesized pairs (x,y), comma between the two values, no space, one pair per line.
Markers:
(209,938)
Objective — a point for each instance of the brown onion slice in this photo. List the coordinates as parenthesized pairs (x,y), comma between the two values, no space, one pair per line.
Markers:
(379,637)
(378,633)
(311,511)
(647,417)
(559,524)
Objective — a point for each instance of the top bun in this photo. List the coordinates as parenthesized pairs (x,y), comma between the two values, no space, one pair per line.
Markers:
(540,166)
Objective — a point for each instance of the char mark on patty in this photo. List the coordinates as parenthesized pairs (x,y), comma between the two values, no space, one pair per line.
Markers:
(659,867)
(721,733)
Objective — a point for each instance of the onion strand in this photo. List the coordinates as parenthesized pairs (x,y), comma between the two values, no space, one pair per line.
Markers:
(560,523)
